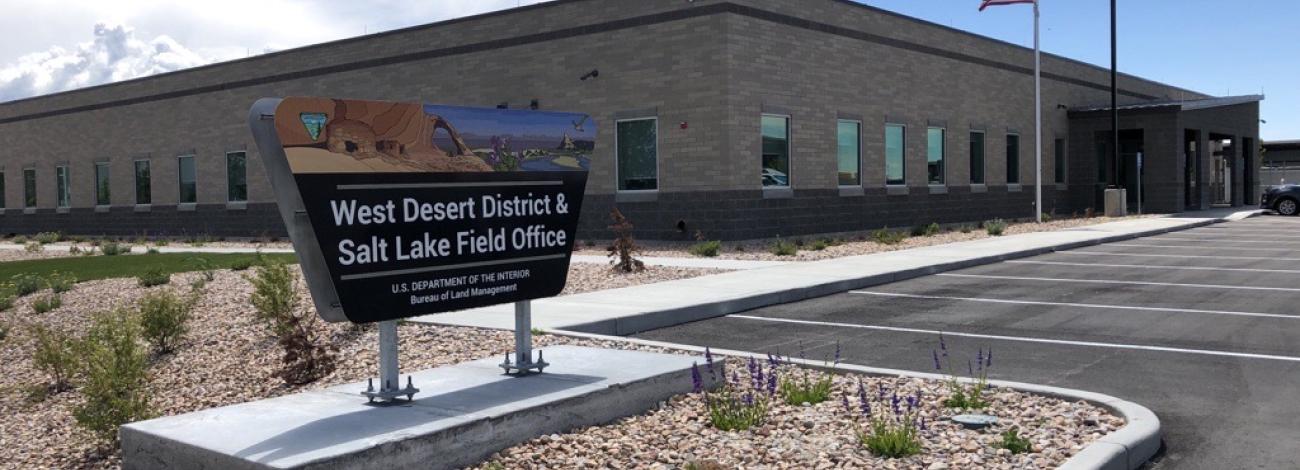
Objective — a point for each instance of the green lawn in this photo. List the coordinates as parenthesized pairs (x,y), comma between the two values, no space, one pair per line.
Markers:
(89,268)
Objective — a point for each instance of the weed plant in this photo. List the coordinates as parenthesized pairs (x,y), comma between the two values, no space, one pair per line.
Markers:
(995,227)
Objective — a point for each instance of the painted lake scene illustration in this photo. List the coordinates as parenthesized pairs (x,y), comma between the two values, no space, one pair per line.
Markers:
(322,135)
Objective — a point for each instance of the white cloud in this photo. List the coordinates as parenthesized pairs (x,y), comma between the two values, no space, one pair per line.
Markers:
(114,55)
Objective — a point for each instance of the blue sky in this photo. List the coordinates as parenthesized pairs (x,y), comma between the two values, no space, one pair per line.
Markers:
(1213,46)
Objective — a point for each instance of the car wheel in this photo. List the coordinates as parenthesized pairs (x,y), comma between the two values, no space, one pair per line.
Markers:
(1287,207)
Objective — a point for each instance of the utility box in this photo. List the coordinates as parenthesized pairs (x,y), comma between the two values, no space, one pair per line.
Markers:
(1116,202)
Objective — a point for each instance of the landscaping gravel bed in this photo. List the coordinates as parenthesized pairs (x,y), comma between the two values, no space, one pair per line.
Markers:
(20,255)
(227,357)
(678,434)
(850,244)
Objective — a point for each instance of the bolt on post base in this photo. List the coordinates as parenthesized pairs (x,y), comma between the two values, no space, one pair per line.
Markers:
(521,369)
(524,363)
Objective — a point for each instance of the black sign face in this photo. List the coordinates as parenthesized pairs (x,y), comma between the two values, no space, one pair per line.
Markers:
(400,210)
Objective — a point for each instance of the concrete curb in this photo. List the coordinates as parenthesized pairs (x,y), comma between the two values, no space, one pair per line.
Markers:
(1128,448)
(656,319)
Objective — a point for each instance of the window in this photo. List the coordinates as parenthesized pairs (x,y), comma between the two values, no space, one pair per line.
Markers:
(934,154)
(895,156)
(776,151)
(188,187)
(1060,161)
(850,152)
(1013,159)
(2,191)
(62,197)
(637,151)
(101,184)
(976,157)
(143,194)
(29,187)
(236,177)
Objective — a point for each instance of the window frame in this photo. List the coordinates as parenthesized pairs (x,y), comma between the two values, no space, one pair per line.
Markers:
(857,161)
(1061,160)
(943,155)
(62,187)
(31,197)
(903,146)
(984,155)
(180,179)
(108,191)
(789,158)
(618,179)
(1009,137)
(4,202)
(135,178)
(229,187)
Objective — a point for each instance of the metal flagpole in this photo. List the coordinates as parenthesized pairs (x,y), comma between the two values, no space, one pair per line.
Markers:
(1038,123)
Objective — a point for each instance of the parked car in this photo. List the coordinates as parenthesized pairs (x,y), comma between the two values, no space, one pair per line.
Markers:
(1285,199)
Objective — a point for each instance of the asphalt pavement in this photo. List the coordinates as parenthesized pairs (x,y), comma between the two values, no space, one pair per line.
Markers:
(1202,326)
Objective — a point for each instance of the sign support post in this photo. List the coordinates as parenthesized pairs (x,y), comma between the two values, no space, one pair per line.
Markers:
(524,363)
(389,376)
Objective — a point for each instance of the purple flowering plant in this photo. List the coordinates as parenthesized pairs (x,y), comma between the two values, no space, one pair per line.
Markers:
(736,404)
(967,396)
(891,425)
(809,386)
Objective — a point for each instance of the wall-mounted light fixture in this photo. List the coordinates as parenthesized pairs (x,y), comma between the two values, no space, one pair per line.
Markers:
(592,74)
(534,105)
(504,105)
(1061,106)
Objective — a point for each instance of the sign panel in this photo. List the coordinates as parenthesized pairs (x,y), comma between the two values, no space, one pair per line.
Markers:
(405,209)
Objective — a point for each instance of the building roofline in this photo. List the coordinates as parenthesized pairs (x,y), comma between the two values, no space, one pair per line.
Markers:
(550,4)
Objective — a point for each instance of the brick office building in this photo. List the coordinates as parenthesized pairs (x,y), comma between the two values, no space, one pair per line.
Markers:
(738,118)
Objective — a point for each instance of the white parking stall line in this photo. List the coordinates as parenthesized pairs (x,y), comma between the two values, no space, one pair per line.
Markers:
(1026,339)
(1079,305)
(1111,281)
(1157,255)
(1150,266)
(1210,240)
(1134,245)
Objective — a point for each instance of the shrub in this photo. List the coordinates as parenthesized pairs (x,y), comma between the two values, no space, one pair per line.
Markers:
(1012,442)
(622,251)
(151,251)
(56,354)
(60,282)
(805,389)
(154,277)
(20,240)
(959,395)
(885,236)
(26,283)
(47,302)
(783,248)
(1047,217)
(240,265)
(276,301)
(111,248)
(925,230)
(1089,213)
(4,331)
(7,298)
(116,375)
(995,227)
(707,249)
(163,317)
(821,244)
(46,238)
(33,247)
(893,422)
(967,229)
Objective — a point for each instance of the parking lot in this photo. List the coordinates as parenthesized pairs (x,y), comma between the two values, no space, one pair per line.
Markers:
(1202,326)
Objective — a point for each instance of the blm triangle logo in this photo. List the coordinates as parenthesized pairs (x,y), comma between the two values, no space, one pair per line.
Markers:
(314,122)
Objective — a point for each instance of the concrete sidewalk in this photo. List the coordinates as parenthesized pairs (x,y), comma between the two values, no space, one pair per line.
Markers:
(707,263)
(645,307)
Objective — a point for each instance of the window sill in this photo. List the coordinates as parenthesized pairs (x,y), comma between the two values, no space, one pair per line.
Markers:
(979,188)
(938,189)
(778,193)
(101,208)
(636,196)
(29,210)
(143,208)
(1062,186)
(62,210)
(237,205)
(851,191)
(1014,187)
(897,190)
(187,207)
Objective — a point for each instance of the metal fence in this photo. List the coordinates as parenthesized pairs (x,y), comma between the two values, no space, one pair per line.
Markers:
(1275,173)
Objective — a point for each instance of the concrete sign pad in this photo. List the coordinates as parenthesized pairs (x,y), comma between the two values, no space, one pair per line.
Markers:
(471,411)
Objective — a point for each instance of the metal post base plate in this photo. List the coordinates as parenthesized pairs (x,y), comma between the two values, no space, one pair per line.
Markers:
(521,369)
(391,395)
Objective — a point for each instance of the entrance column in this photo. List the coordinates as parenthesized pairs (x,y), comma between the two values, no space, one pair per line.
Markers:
(1237,171)
(1204,166)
